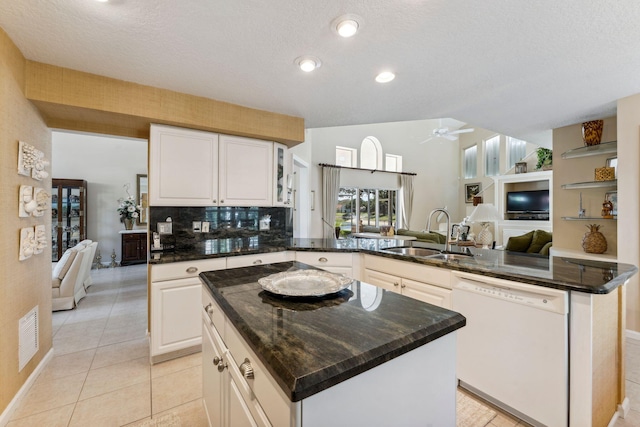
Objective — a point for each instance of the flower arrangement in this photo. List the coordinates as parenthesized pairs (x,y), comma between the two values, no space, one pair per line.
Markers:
(128,209)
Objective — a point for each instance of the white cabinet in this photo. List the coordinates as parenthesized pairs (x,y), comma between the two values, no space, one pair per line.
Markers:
(246,172)
(194,168)
(424,283)
(334,262)
(234,383)
(183,166)
(281,171)
(175,307)
(257,259)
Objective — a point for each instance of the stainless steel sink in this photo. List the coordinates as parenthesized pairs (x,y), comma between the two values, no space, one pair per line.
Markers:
(418,252)
(451,257)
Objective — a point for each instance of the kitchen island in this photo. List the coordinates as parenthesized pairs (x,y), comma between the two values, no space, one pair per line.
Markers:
(362,357)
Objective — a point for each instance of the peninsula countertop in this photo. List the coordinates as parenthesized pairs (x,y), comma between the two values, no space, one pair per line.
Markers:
(309,346)
(564,273)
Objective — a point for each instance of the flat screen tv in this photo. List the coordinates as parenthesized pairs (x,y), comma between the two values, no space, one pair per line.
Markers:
(528,201)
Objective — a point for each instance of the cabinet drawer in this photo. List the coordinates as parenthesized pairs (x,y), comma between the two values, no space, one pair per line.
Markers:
(179,270)
(257,259)
(262,387)
(422,273)
(213,313)
(320,259)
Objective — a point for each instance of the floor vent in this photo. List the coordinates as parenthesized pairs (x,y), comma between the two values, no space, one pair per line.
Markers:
(28,337)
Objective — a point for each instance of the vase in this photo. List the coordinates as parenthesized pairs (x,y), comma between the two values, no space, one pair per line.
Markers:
(592,132)
(128,224)
(593,241)
(337,230)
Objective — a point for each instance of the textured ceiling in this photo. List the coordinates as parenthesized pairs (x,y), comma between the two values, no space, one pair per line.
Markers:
(518,67)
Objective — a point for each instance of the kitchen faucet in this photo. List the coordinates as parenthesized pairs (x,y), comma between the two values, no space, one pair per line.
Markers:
(447,246)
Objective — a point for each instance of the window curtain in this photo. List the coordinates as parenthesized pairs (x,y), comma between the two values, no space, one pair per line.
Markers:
(330,190)
(406,199)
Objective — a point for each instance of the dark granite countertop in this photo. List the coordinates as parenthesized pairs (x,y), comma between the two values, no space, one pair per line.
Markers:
(309,346)
(562,273)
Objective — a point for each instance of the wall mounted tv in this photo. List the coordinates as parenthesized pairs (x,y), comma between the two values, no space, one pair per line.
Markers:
(524,202)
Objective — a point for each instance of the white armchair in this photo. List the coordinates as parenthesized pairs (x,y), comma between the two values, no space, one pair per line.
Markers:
(69,275)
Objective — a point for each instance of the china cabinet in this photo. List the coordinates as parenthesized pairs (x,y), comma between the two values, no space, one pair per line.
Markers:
(68,215)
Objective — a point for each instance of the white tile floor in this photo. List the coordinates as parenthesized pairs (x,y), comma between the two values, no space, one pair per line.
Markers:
(100,373)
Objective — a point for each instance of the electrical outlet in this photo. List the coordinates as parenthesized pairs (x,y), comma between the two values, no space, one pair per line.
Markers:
(205,226)
(197,226)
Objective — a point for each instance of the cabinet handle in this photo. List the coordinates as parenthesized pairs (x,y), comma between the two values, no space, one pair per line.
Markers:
(221,201)
(403,286)
(215,201)
(395,283)
(222,365)
(192,270)
(258,261)
(209,309)
(322,259)
(216,360)
(246,369)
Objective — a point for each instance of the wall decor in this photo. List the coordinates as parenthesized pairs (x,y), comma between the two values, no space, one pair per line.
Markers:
(612,196)
(471,190)
(42,197)
(27,243)
(612,162)
(26,203)
(40,239)
(31,161)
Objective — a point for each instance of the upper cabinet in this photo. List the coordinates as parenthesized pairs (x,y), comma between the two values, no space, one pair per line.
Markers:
(195,168)
(282,176)
(246,172)
(183,167)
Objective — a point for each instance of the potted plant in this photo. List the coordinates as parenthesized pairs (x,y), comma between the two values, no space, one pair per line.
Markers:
(545,159)
(128,211)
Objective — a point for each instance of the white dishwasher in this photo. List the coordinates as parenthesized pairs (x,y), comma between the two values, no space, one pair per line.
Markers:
(514,349)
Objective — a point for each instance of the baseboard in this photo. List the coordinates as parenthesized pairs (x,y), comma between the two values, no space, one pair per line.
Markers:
(632,334)
(10,409)
(623,410)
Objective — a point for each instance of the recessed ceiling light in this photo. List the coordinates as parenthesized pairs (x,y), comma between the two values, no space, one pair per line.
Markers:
(308,63)
(385,77)
(346,25)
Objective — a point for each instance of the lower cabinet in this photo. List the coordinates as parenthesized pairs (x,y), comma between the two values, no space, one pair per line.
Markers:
(176,297)
(133,248)
(334,262)
(424,283)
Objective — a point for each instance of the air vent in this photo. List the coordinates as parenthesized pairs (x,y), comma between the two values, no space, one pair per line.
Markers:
(28,337)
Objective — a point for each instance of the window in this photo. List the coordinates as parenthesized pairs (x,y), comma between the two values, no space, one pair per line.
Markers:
(393,163)
(371,153)
(367,206)
(516,151)
(346,157)
(471,162)
(492,156)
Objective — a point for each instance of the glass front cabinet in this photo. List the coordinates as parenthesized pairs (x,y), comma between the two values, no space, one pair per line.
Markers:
(68,215)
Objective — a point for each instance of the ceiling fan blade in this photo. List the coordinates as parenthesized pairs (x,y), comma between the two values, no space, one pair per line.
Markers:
(427,140)
(450,137)
(461,131)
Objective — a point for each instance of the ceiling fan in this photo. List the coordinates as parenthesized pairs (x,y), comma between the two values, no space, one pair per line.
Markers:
(446,133)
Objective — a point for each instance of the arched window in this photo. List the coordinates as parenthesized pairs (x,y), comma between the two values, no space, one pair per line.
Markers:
(371,153)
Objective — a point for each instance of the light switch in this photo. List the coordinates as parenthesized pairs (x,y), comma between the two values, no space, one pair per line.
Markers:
(197,226)
(205,226)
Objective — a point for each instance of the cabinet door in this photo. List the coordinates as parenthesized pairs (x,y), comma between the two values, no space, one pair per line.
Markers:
(175,315)
(130,249)
(211,378)
(238,412)
(183,166)
(426,293)
(280,175)
(382,280)
(246,172)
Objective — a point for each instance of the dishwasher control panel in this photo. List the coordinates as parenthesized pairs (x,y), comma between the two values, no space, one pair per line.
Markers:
(529,295)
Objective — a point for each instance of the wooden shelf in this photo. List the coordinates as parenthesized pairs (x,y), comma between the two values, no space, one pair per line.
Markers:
(590,184)
(592,150)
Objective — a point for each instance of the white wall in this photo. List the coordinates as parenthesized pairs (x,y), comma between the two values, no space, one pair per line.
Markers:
(106,163)
(436,163)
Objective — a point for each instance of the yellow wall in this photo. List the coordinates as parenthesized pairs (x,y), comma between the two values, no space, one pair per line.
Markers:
(23,284)
(628,195)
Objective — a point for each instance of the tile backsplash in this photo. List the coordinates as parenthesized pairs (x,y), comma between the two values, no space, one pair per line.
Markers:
(224,223)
